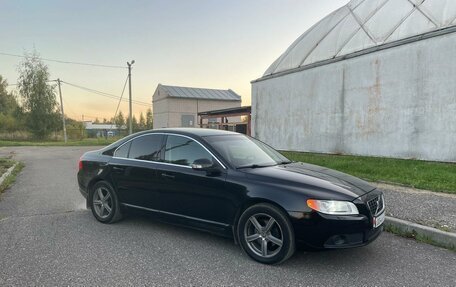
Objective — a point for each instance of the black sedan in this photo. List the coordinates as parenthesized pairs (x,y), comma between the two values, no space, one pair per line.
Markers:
(232,185)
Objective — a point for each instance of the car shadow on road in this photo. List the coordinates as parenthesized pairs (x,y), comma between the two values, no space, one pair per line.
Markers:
(339,258)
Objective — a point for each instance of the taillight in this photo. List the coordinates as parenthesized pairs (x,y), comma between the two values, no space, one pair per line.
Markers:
(80,164)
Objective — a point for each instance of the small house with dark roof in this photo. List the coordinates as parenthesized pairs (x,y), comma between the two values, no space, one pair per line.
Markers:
(179,106)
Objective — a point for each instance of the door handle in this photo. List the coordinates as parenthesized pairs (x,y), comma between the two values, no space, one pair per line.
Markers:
(167,175)
(116,168)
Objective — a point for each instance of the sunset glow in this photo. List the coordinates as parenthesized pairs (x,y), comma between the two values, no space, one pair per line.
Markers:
(210,44)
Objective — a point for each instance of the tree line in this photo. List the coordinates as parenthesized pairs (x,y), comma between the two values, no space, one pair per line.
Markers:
(33,106)
(144,122)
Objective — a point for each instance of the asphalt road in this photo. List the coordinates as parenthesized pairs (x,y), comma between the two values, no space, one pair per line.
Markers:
(47,237)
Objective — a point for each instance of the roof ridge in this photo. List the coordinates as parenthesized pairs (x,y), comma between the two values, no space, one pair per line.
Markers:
(195,88)
(233,92)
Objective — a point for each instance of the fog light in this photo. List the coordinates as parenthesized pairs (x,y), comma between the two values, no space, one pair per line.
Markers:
(339,240)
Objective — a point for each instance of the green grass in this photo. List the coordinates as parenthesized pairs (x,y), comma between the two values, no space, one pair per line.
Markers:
(434,176)
(84,142)
(5,163)
(12,177)
(417,237)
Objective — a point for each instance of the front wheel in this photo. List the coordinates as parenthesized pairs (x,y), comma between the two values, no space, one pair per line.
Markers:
(104,203)
(266,234)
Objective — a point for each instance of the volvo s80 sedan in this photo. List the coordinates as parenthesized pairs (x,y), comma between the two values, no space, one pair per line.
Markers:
(232,185)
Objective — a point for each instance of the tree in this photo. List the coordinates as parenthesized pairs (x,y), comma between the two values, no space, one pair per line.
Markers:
(149,119)
(8,103)
(38,96)
(134,124)
(11,118)
(119,121)
(142,122)
(97,121)
(8,123)
(105,121)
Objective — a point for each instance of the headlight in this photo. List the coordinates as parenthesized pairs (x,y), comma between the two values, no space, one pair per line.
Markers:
(333,207)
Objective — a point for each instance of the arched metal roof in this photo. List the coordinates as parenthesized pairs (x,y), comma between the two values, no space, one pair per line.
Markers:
(363,24)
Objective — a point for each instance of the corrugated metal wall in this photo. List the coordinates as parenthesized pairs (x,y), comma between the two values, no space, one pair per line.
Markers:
(399,102)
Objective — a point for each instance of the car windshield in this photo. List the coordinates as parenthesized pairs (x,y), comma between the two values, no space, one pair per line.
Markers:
(246,152)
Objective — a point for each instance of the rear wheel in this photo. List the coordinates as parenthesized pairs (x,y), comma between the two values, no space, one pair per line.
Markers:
(104,203)
(266,234)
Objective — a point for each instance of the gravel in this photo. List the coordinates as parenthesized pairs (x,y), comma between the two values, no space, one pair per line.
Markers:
(432,209)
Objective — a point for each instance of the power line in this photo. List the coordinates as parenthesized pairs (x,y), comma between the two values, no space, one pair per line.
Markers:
(107,95)
(65,62)
(102,93)
(118,105)
(111,96)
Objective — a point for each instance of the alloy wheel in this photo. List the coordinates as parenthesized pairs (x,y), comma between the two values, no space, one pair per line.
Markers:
(102,202)
(263,235)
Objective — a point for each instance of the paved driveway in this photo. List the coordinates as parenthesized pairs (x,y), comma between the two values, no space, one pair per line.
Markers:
(48,238)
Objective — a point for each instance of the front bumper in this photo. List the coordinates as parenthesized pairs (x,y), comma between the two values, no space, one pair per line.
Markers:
(329,231)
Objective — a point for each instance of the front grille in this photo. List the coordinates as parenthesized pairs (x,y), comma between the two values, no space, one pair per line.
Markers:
(376,205)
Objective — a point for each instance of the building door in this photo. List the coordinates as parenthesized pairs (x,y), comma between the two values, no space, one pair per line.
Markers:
(188,121)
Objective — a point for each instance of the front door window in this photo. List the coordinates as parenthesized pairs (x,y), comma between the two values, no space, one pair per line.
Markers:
(184,151)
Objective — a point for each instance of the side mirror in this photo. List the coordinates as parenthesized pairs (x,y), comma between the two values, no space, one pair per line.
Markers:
(202,164)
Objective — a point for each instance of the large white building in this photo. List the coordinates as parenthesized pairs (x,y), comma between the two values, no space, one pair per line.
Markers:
(375,77)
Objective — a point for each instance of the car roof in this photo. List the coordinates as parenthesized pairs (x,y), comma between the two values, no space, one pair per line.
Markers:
(200,132)
(192,132)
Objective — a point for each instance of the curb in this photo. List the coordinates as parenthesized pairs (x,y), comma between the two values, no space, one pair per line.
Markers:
(422,233)
(7,173)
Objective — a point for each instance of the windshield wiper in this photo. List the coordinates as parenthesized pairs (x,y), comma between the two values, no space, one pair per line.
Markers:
(253,166)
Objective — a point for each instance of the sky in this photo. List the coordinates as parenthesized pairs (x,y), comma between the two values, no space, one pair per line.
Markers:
(193,43)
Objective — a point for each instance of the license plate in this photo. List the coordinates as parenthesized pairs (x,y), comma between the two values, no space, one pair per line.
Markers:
(378,220)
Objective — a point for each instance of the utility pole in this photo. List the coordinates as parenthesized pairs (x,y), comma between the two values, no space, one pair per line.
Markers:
(82,128)
(63,113)
(130,128)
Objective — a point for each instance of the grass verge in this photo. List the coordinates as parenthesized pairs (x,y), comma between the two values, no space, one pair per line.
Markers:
(434,176)
(5,164)
(83,142)
(12,177)
(413,235)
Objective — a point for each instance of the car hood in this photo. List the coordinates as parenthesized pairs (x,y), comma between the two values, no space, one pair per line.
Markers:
(315,176)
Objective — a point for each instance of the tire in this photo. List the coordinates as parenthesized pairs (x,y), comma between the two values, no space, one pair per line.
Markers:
(266,241)
(104,203)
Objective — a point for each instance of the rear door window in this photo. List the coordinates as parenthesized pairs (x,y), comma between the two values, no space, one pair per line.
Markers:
(148,147)
(123,150)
